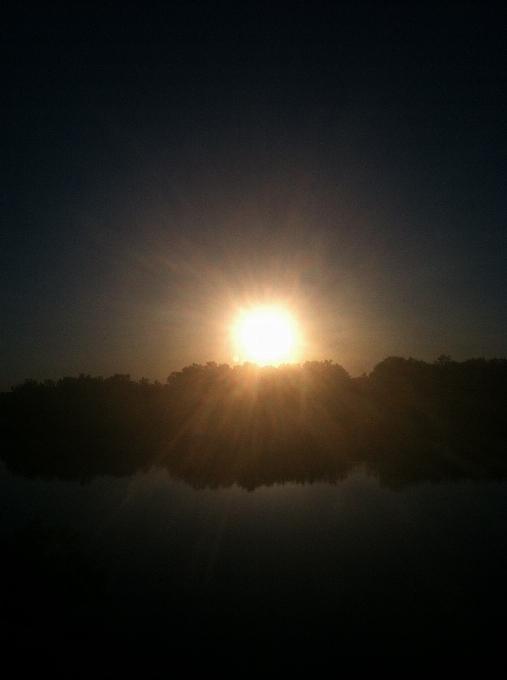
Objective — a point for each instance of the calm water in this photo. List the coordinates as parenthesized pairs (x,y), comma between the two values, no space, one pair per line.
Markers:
(279,576)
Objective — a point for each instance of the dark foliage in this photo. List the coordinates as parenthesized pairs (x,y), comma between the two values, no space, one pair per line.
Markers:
(214,425)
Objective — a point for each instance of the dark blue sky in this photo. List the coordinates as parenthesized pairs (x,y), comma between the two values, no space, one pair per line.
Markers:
(162,169)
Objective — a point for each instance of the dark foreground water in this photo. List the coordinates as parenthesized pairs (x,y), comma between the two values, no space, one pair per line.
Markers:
(147,576)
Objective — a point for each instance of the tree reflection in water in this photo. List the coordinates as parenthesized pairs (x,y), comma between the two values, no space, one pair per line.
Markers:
(246,584)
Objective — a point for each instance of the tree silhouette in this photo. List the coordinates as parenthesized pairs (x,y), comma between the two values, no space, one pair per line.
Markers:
(215,425)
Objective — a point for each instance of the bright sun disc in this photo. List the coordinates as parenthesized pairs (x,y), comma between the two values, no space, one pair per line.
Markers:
(266,336)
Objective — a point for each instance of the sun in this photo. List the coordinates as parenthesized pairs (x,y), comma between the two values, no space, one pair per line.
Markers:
(266,335)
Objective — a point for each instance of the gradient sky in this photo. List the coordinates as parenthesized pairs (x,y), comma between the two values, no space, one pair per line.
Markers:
(163,169)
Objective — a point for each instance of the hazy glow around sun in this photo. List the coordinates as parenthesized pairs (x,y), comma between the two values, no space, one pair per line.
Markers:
(266,335)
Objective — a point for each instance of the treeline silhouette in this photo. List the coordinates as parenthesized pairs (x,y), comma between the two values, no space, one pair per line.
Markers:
(213,425)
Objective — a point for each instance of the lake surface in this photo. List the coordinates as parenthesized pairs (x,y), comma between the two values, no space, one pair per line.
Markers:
(173,580)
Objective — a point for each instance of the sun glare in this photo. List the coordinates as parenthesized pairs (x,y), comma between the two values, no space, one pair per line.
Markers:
(266,336)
